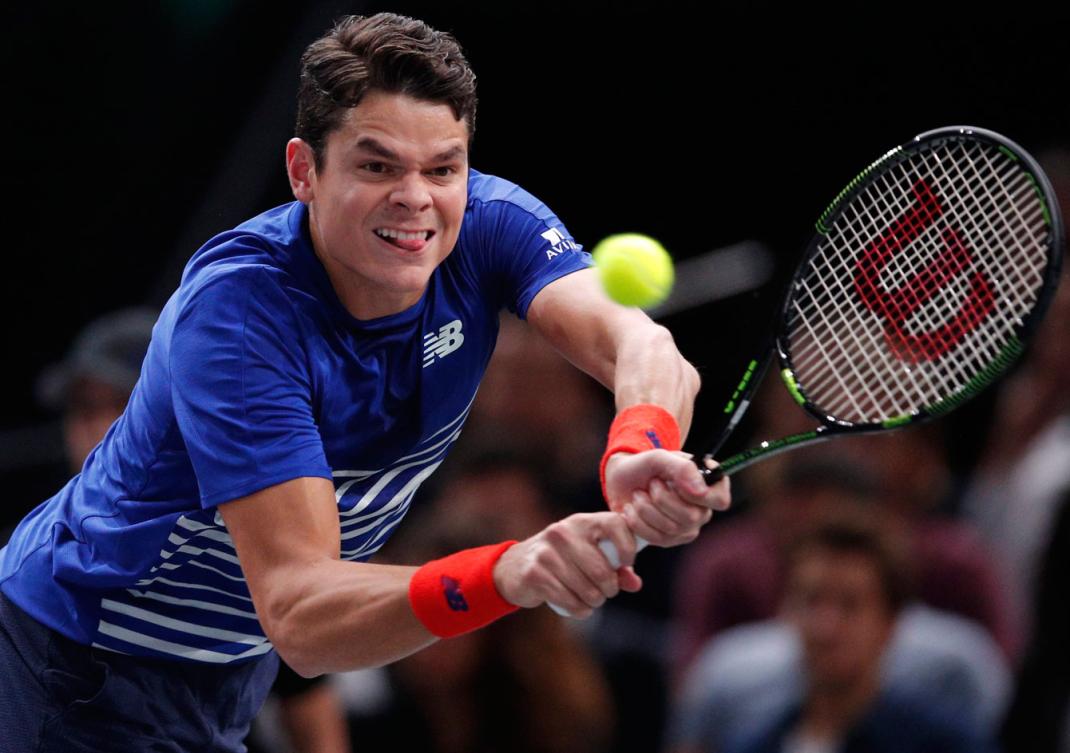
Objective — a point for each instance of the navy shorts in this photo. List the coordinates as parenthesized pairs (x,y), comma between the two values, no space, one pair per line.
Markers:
(59,695)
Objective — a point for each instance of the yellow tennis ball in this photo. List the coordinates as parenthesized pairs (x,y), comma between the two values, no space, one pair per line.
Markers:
(635,269)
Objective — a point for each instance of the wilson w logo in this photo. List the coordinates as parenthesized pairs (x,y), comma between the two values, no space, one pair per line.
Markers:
(445,341)
(897,306)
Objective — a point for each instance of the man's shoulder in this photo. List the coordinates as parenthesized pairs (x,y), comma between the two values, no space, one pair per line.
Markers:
(498,193)
(281,224)
(259,250)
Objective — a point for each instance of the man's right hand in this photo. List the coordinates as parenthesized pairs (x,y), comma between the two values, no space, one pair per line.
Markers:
(563,565)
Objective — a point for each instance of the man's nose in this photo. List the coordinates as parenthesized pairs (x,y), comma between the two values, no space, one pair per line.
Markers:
(411,192)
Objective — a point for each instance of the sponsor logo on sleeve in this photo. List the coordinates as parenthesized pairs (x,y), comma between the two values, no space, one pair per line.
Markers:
(559,244)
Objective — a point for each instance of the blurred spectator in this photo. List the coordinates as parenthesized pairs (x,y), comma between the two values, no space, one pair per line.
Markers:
(490,690)
(1021,499)
(958,571)
(1016,492)
(1039,719)
(749,674)
(91,388)
(93,383)
(846,584)
(733,574)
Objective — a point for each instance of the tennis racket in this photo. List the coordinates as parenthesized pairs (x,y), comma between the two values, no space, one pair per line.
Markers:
(926,277)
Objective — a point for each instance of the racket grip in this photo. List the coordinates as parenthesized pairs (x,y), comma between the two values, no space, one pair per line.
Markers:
(609,550)
(710,475)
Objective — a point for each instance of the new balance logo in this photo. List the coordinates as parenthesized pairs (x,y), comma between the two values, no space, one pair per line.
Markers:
(442,343)
(559,244)
(455,600)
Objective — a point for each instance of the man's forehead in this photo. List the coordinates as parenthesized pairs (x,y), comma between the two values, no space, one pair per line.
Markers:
(386,124)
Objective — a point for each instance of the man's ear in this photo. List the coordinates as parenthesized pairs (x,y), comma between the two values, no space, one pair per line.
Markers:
(301,169)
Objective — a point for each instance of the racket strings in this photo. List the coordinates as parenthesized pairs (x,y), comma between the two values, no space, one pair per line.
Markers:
(920,284)
(940,307)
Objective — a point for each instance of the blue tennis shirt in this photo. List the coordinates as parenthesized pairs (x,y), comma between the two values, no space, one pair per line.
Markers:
(256,375)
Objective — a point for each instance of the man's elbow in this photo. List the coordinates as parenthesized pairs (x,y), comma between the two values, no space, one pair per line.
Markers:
(292,645)
(280,618)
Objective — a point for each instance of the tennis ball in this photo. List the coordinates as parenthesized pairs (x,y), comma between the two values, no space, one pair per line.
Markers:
(635,269)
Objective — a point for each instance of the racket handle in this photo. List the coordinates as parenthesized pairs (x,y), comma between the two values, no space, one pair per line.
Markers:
(710,475)
(609,551)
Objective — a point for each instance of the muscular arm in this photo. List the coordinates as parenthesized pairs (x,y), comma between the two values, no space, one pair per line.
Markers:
(619,346)
(661,494)
(324,614)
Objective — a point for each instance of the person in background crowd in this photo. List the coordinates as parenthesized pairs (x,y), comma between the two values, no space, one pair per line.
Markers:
(1020,500)
(745,676)
(1039,717)
(846,584)
(734,573)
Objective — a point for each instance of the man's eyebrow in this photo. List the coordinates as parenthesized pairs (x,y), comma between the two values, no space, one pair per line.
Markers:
(449,154)
(368,144)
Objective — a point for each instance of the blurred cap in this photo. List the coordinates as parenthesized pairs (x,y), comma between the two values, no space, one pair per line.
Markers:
(110,349)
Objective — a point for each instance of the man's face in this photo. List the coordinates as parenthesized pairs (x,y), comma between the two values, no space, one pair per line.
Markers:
(385,208)
(838,605)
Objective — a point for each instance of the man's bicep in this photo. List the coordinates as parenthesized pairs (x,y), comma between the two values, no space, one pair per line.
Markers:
(279,531)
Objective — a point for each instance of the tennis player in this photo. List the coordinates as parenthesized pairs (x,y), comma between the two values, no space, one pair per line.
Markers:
(312,369)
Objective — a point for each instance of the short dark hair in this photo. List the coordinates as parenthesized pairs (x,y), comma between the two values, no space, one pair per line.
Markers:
(384,52)
(852,534)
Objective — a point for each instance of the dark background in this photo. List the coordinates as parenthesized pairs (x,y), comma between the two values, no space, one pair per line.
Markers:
(134,131)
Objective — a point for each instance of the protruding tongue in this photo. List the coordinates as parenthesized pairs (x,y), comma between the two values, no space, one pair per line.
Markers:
(409,244)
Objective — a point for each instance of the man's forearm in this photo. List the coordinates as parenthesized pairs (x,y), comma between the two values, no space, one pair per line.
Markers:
(622,348)
(346,615)
(650,369)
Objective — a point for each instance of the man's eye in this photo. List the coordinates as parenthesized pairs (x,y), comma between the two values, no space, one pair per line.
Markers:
(374,167)
(442,172)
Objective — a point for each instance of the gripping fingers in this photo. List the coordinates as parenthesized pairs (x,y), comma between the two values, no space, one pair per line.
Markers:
(664,517)
(609,550)
(681,510)
(595,575)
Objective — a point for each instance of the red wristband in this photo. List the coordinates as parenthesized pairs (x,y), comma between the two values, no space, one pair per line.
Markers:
(456,594)
(637,428)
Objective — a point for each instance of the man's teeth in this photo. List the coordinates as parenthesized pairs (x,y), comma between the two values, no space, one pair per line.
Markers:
(401,235)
